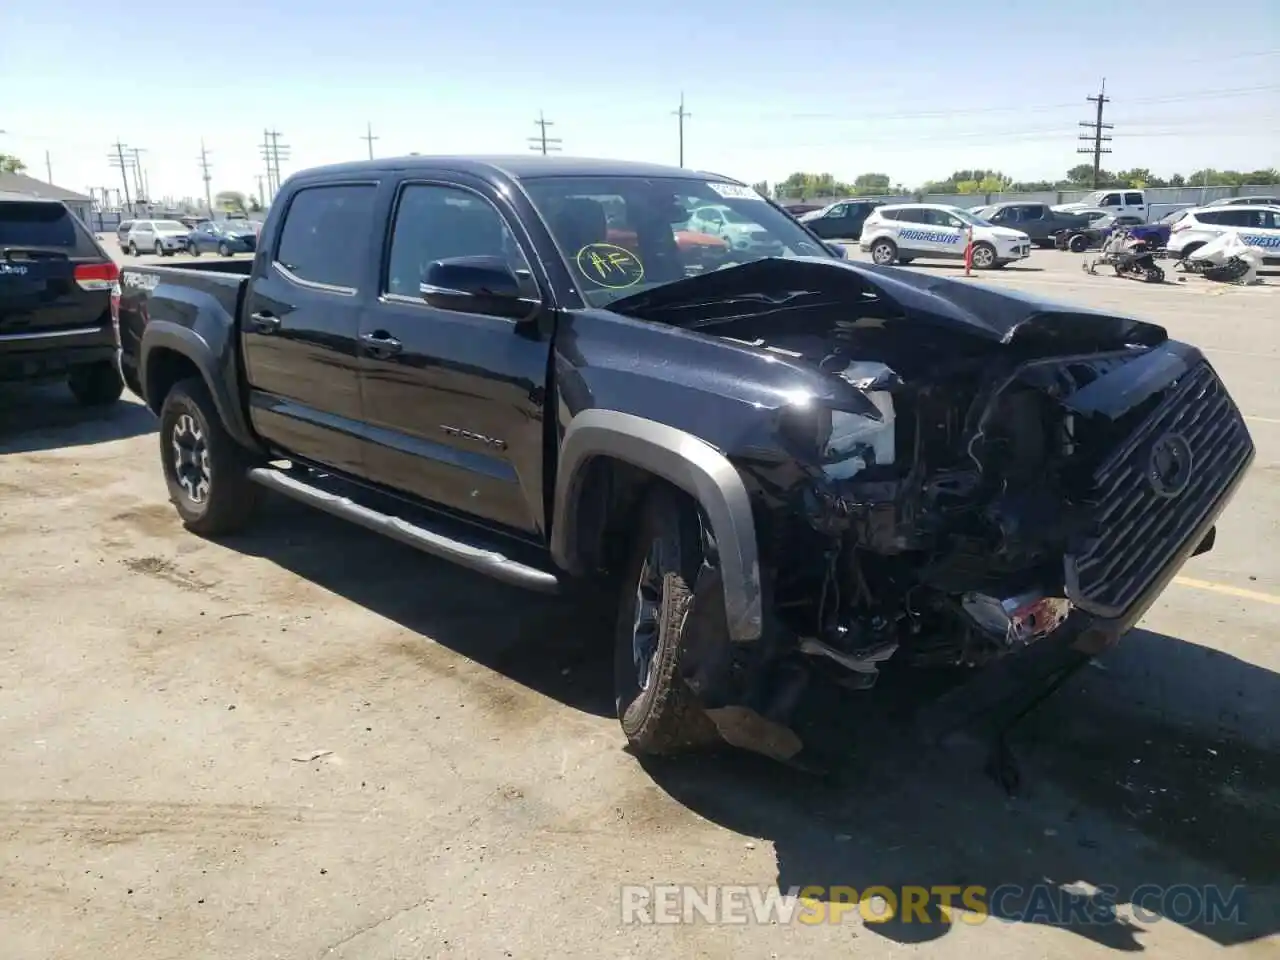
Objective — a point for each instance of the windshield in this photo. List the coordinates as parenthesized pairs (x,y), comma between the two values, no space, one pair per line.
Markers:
(169,225)
(966,217)
(622,235)
(980,213)
(1173,217)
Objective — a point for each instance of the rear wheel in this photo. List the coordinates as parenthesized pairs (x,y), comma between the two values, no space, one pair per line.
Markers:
(95,384)
(205,470)
(884,252)
(658,712)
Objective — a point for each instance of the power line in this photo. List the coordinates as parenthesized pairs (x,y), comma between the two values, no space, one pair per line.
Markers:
(681,114)
(861,115)
(140,191)
(542,141)
(369,138)
(273,151)
(1097,126)
(117,159)
(204,175)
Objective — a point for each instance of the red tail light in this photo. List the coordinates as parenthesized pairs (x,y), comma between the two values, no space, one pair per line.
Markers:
(96,276)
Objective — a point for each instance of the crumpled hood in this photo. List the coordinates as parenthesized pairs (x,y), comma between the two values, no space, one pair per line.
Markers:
(995,315)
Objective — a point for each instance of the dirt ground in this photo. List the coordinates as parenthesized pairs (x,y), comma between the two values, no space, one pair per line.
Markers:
(310,742)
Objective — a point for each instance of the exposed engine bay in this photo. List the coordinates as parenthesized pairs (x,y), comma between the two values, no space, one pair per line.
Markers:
(955,497)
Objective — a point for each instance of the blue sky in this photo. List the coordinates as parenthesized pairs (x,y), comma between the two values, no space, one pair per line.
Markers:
(911,89)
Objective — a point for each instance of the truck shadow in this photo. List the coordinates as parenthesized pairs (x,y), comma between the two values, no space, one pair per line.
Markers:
(1126,794)
(46,417)
(1136,774)
(540,642)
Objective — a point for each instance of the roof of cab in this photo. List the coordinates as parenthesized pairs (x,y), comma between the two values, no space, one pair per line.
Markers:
(517,167)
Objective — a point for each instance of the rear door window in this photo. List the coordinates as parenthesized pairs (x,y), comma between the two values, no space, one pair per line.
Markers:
(325,231)
(43,224)
(1133,199)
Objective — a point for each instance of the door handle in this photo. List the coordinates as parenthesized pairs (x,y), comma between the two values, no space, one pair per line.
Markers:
(381,344)
(264,322)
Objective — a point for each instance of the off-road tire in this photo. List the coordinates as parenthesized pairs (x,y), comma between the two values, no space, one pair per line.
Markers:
(231,496)
(95,384)
(664,717)
(884,260)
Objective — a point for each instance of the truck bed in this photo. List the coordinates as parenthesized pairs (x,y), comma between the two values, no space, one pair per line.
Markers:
(193,294)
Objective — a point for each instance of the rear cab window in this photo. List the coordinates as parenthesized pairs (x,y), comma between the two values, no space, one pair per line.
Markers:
(43,224)
(325,232)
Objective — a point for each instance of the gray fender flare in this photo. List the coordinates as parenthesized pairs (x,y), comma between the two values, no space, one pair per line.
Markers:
(689,463)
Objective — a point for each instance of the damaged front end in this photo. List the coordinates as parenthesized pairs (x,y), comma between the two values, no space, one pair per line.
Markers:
(983,472)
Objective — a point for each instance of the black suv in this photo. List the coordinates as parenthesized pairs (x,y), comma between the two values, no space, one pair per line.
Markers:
(56,285)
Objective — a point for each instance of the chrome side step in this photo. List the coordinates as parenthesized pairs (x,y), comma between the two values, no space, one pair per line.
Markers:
(474,556)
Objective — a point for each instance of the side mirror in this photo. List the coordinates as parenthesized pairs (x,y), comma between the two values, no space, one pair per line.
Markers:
(477,285)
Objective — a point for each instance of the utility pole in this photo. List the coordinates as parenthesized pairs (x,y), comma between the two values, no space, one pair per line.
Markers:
(204,175)
(369,138)
(272,152)
(262,200)
(681,113)
(117,159)
(48,168)
(542,142)
(139,176)
(1097,126)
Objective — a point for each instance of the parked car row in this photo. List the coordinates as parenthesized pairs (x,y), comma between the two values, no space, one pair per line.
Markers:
(167,237)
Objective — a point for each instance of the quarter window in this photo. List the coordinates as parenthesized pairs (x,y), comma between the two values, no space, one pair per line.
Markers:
(325,231)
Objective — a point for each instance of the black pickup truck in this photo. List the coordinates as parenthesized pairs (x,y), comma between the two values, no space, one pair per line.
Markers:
(781,465)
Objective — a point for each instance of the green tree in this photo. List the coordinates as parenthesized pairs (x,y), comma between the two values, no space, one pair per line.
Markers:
(871,184)
(11,164)
(807,185)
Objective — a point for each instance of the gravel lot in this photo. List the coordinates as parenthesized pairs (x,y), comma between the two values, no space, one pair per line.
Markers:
(311,742)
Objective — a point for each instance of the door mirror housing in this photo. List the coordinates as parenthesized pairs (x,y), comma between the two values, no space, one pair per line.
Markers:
(478,285)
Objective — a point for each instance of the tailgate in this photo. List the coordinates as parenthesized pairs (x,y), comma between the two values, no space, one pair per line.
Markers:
(52,270)
(39,292)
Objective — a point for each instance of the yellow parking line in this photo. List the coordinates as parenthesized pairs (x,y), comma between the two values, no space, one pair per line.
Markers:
(1227,590)
(1262,420)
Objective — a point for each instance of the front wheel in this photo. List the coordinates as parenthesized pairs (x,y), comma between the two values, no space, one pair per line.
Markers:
(658,712)
(1078,244)
(224,250)
(95,384)
(984,256)
(193,248)
(205,470)
(884,252)
(133,249)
